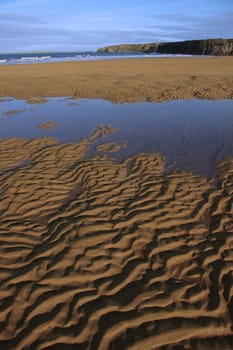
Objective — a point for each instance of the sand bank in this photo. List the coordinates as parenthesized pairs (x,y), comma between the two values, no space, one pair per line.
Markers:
(100,255)
(153,79)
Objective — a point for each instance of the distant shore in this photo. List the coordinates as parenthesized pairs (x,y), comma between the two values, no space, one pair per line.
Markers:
(129,80)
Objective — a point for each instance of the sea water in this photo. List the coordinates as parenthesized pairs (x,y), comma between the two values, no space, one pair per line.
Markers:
(43,57)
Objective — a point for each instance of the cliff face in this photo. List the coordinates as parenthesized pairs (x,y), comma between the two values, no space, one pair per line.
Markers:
(216,47)
(147,48)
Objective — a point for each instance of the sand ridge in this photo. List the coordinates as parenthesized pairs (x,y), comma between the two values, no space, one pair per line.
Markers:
(126,80)
(50,124)
(110,147)
(102,255)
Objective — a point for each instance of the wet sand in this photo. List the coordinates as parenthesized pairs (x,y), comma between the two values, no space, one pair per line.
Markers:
(151,79)
(102,255)
(50,124)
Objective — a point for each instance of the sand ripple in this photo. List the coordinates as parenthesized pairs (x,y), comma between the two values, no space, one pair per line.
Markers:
(100,255)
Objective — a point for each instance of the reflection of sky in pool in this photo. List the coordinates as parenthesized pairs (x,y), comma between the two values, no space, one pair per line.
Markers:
(192,135)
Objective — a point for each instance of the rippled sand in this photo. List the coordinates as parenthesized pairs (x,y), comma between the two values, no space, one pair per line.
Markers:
(100,255)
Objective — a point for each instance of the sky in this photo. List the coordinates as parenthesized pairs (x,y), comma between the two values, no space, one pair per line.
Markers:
(86,25)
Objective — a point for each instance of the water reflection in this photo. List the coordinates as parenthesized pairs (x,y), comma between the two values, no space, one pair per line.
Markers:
(191,134)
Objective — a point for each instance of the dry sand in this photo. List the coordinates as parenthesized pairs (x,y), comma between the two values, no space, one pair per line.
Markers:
(153,79)
(100,255)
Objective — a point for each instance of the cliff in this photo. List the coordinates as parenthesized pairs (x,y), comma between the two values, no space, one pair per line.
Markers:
(215,47)
(146,48)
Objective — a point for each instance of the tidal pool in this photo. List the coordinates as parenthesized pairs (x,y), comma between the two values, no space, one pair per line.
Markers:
(191,134)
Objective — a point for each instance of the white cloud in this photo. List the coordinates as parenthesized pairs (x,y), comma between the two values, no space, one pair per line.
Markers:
(14,17)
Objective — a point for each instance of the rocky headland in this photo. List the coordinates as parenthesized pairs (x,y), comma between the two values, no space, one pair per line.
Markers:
(216,47)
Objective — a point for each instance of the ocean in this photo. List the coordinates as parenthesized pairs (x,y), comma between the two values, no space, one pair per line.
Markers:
(42,57)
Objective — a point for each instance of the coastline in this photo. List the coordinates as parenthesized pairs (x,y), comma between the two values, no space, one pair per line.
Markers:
(125,80)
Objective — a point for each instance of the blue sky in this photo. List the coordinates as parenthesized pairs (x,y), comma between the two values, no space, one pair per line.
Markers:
(63,25)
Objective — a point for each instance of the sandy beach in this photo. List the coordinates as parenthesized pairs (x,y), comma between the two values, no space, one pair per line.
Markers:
(96,254)
(152,79)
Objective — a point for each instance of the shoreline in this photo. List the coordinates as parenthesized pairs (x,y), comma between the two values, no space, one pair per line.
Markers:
(125,80)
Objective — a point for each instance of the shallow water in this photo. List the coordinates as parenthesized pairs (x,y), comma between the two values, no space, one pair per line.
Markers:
(38,57)
(192,134)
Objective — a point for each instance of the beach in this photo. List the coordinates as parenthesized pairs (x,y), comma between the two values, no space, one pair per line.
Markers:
(99,254)
(131,80)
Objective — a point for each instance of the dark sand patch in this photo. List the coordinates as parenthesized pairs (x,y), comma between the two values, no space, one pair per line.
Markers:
(50,124)
(13,112)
